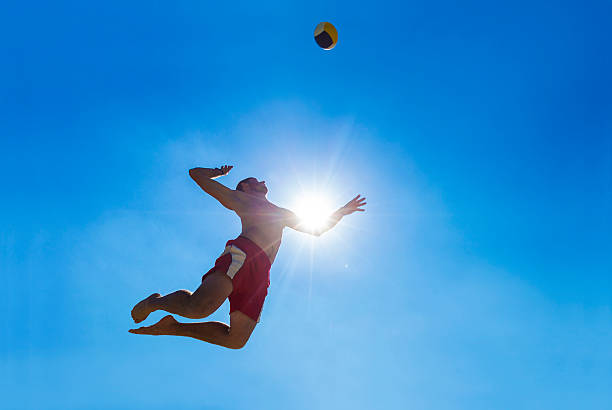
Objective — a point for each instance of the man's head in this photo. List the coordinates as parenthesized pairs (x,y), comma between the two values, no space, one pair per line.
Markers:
(252,186)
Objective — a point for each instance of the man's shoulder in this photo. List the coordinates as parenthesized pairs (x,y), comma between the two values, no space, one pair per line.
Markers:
(265,208)
(279,209)
(251,203)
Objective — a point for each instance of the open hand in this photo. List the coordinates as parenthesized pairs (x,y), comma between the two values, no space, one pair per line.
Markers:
(224,170)
(354,205)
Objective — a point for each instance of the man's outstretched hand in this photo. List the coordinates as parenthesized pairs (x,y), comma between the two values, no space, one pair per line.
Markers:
(354,205)
(223,171)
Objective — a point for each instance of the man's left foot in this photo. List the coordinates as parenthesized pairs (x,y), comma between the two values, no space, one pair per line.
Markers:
(166,326)
(144,308)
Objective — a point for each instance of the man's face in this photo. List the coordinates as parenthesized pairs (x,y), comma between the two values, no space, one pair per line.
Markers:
(256,186)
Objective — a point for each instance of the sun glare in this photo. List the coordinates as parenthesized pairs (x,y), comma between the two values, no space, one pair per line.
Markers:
(313,210)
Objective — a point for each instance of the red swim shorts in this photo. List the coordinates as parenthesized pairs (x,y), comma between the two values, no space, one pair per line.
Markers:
(248,267)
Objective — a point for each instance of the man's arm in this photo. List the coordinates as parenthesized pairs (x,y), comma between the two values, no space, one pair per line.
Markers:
(204,178)
(354,205)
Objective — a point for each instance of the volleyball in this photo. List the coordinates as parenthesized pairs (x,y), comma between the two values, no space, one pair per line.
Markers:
(326,36)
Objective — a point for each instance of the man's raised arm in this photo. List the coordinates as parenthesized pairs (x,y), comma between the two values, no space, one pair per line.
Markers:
(204,178)
(354,205)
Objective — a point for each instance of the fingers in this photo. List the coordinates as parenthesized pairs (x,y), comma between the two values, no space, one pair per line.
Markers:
(350,211)
(356,200)
(355,205)
(359,200)
(225,169)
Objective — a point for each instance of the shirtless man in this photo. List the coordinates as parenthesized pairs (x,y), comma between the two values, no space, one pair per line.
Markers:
(241,273)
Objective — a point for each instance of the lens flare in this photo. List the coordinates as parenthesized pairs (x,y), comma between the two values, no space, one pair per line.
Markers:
(313,209)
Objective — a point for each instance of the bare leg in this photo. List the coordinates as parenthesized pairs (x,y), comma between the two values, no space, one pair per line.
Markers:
(213,291)
(234,336)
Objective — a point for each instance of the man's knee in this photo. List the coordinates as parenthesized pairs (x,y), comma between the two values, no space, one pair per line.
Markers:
(237,343)
(241,327)
(237,340)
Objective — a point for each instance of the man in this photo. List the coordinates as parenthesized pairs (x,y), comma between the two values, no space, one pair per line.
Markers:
(241,273)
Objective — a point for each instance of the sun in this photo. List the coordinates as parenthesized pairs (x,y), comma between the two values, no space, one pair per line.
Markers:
(313,209)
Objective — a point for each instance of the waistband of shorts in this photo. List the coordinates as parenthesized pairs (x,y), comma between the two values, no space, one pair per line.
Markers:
(250,248)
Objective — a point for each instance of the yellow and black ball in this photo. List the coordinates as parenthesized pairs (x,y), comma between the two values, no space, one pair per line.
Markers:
(326,36)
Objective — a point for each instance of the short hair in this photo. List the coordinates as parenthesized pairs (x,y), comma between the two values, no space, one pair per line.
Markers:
(239,186)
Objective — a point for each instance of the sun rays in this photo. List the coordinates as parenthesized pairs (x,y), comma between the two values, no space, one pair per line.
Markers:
(313,209)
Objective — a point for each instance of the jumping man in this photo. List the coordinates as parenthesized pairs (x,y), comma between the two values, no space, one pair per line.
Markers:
(241,273)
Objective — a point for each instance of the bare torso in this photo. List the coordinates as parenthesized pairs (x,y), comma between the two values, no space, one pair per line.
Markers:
(262,222)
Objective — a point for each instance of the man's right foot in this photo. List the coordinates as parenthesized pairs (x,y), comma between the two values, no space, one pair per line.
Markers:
(143,308)
(166,326)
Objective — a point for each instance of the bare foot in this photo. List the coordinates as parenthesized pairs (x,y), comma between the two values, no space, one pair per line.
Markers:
(143,308)
(166,326)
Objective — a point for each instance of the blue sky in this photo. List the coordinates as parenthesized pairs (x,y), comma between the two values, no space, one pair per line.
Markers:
(481,134)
